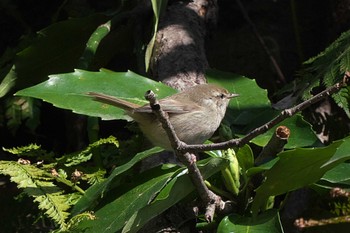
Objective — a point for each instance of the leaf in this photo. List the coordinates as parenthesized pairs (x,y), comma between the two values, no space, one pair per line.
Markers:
(35,183)
(301,135)
(329,67)
(342,98)
(93,43)
(338,174)
(177,189)
(75,220)
(298,168)
(158,7)
(245,157)
(252,99)
(56,49)
(69,90)
(96,191)
(263,167)
(113,216)
(125,208)
(268,221)
(32,150)
(252,109)
(85,155)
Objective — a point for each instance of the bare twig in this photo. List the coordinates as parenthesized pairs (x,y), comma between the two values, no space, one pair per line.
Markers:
(183,151)
(262,42)
(264,128)
(212,200)
(275,145)
(302,223)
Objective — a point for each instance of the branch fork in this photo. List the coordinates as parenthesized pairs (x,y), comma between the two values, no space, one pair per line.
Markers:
(185,153)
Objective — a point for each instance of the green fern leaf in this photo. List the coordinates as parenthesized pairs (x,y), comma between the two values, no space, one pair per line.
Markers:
(74,221)
(95,177)
(31,150)
(331,76)
(328,68)
(342,99)
(85,155)
(37,184)
(345,60)
(55,205)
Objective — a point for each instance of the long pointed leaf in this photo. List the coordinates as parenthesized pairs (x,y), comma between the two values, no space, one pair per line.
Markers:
(69,90)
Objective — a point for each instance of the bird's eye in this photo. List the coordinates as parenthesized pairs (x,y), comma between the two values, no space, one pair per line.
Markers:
(222,96)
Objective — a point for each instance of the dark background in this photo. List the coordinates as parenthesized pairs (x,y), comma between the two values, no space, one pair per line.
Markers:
(292,30)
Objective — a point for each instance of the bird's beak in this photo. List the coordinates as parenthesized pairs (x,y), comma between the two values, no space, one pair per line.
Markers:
(232,95)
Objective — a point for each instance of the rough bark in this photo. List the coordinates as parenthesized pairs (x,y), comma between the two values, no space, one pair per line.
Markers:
(179,58)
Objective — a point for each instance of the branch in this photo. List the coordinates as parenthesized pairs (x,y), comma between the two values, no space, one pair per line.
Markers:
(211,200)
(275,145)
(261,41)
(183,151)
(264,128)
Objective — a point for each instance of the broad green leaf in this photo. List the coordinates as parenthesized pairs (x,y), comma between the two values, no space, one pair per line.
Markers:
(113,216)
(252,99)
(300,167)
(173,192)
(301,135)
(158,7)
(267,222)
(263,167)
(56,49)
(252,109)
(69,90)
(245,157)
(96,191)
(338,174)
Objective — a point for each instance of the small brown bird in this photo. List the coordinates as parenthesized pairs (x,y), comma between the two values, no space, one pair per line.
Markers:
(195,113)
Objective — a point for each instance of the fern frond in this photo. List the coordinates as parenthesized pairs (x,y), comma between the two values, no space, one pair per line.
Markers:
(329,67)
(37,184)
(345,61)
(55,205)
(102,141)
(32,150)
(74,221)
(342,99)
(95,177)
(85,155)
(21,110)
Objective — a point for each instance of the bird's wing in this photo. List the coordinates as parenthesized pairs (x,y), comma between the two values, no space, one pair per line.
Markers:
(170,106)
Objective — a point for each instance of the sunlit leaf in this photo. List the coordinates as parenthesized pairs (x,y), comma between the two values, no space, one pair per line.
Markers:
(300,167)
(268,222)
(69,91)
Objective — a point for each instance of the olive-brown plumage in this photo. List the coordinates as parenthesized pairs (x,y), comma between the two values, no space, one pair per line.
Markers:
(194,113)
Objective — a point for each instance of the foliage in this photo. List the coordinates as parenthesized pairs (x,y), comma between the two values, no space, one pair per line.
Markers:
(104,196)
(59,56)
(328,68)
(37,184)
(70,90)
(267,222)
(158,7)
(300,166)
(41,181)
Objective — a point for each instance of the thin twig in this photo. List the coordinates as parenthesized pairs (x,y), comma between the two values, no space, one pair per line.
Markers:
(264,128)
(183,151)
(212,200)
(275,145)
(262,42)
